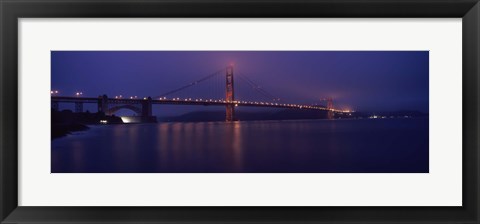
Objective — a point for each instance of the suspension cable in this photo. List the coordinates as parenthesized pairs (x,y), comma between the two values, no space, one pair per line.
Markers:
(258,88)
(192,83)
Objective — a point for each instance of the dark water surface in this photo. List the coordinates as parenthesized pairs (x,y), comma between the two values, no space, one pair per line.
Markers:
(306,146)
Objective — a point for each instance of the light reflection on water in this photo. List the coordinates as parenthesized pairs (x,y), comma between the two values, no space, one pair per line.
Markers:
(389,145)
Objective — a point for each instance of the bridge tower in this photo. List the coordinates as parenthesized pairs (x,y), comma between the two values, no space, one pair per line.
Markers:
(78,107)
(147,107)
(55,106)
(230,107)
(103,104)
(330,114)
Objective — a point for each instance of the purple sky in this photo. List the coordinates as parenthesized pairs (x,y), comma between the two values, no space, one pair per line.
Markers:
(358,80)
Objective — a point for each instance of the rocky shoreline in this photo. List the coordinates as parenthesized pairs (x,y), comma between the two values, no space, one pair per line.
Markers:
(66,122)
(61,130)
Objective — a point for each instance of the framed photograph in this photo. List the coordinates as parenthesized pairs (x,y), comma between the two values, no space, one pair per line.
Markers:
(247,112)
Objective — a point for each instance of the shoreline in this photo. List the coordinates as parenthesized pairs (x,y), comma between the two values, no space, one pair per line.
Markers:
(62,130)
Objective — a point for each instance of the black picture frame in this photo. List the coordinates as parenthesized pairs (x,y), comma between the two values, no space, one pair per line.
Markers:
(11,10)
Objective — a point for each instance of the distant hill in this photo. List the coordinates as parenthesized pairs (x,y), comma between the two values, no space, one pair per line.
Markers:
(288,114)
(390,114)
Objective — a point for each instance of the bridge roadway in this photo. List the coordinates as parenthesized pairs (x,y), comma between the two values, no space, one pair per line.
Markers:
(191,101)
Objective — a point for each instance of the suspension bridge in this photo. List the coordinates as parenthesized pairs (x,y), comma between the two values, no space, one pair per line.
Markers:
(143,106)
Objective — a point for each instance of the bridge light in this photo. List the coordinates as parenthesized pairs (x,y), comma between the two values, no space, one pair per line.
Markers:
(236,105)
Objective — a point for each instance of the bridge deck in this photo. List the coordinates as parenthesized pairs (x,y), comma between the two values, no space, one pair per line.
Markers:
(191,101)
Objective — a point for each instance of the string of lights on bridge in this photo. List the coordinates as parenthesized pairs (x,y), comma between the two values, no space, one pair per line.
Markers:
(220,101)
(262,98)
